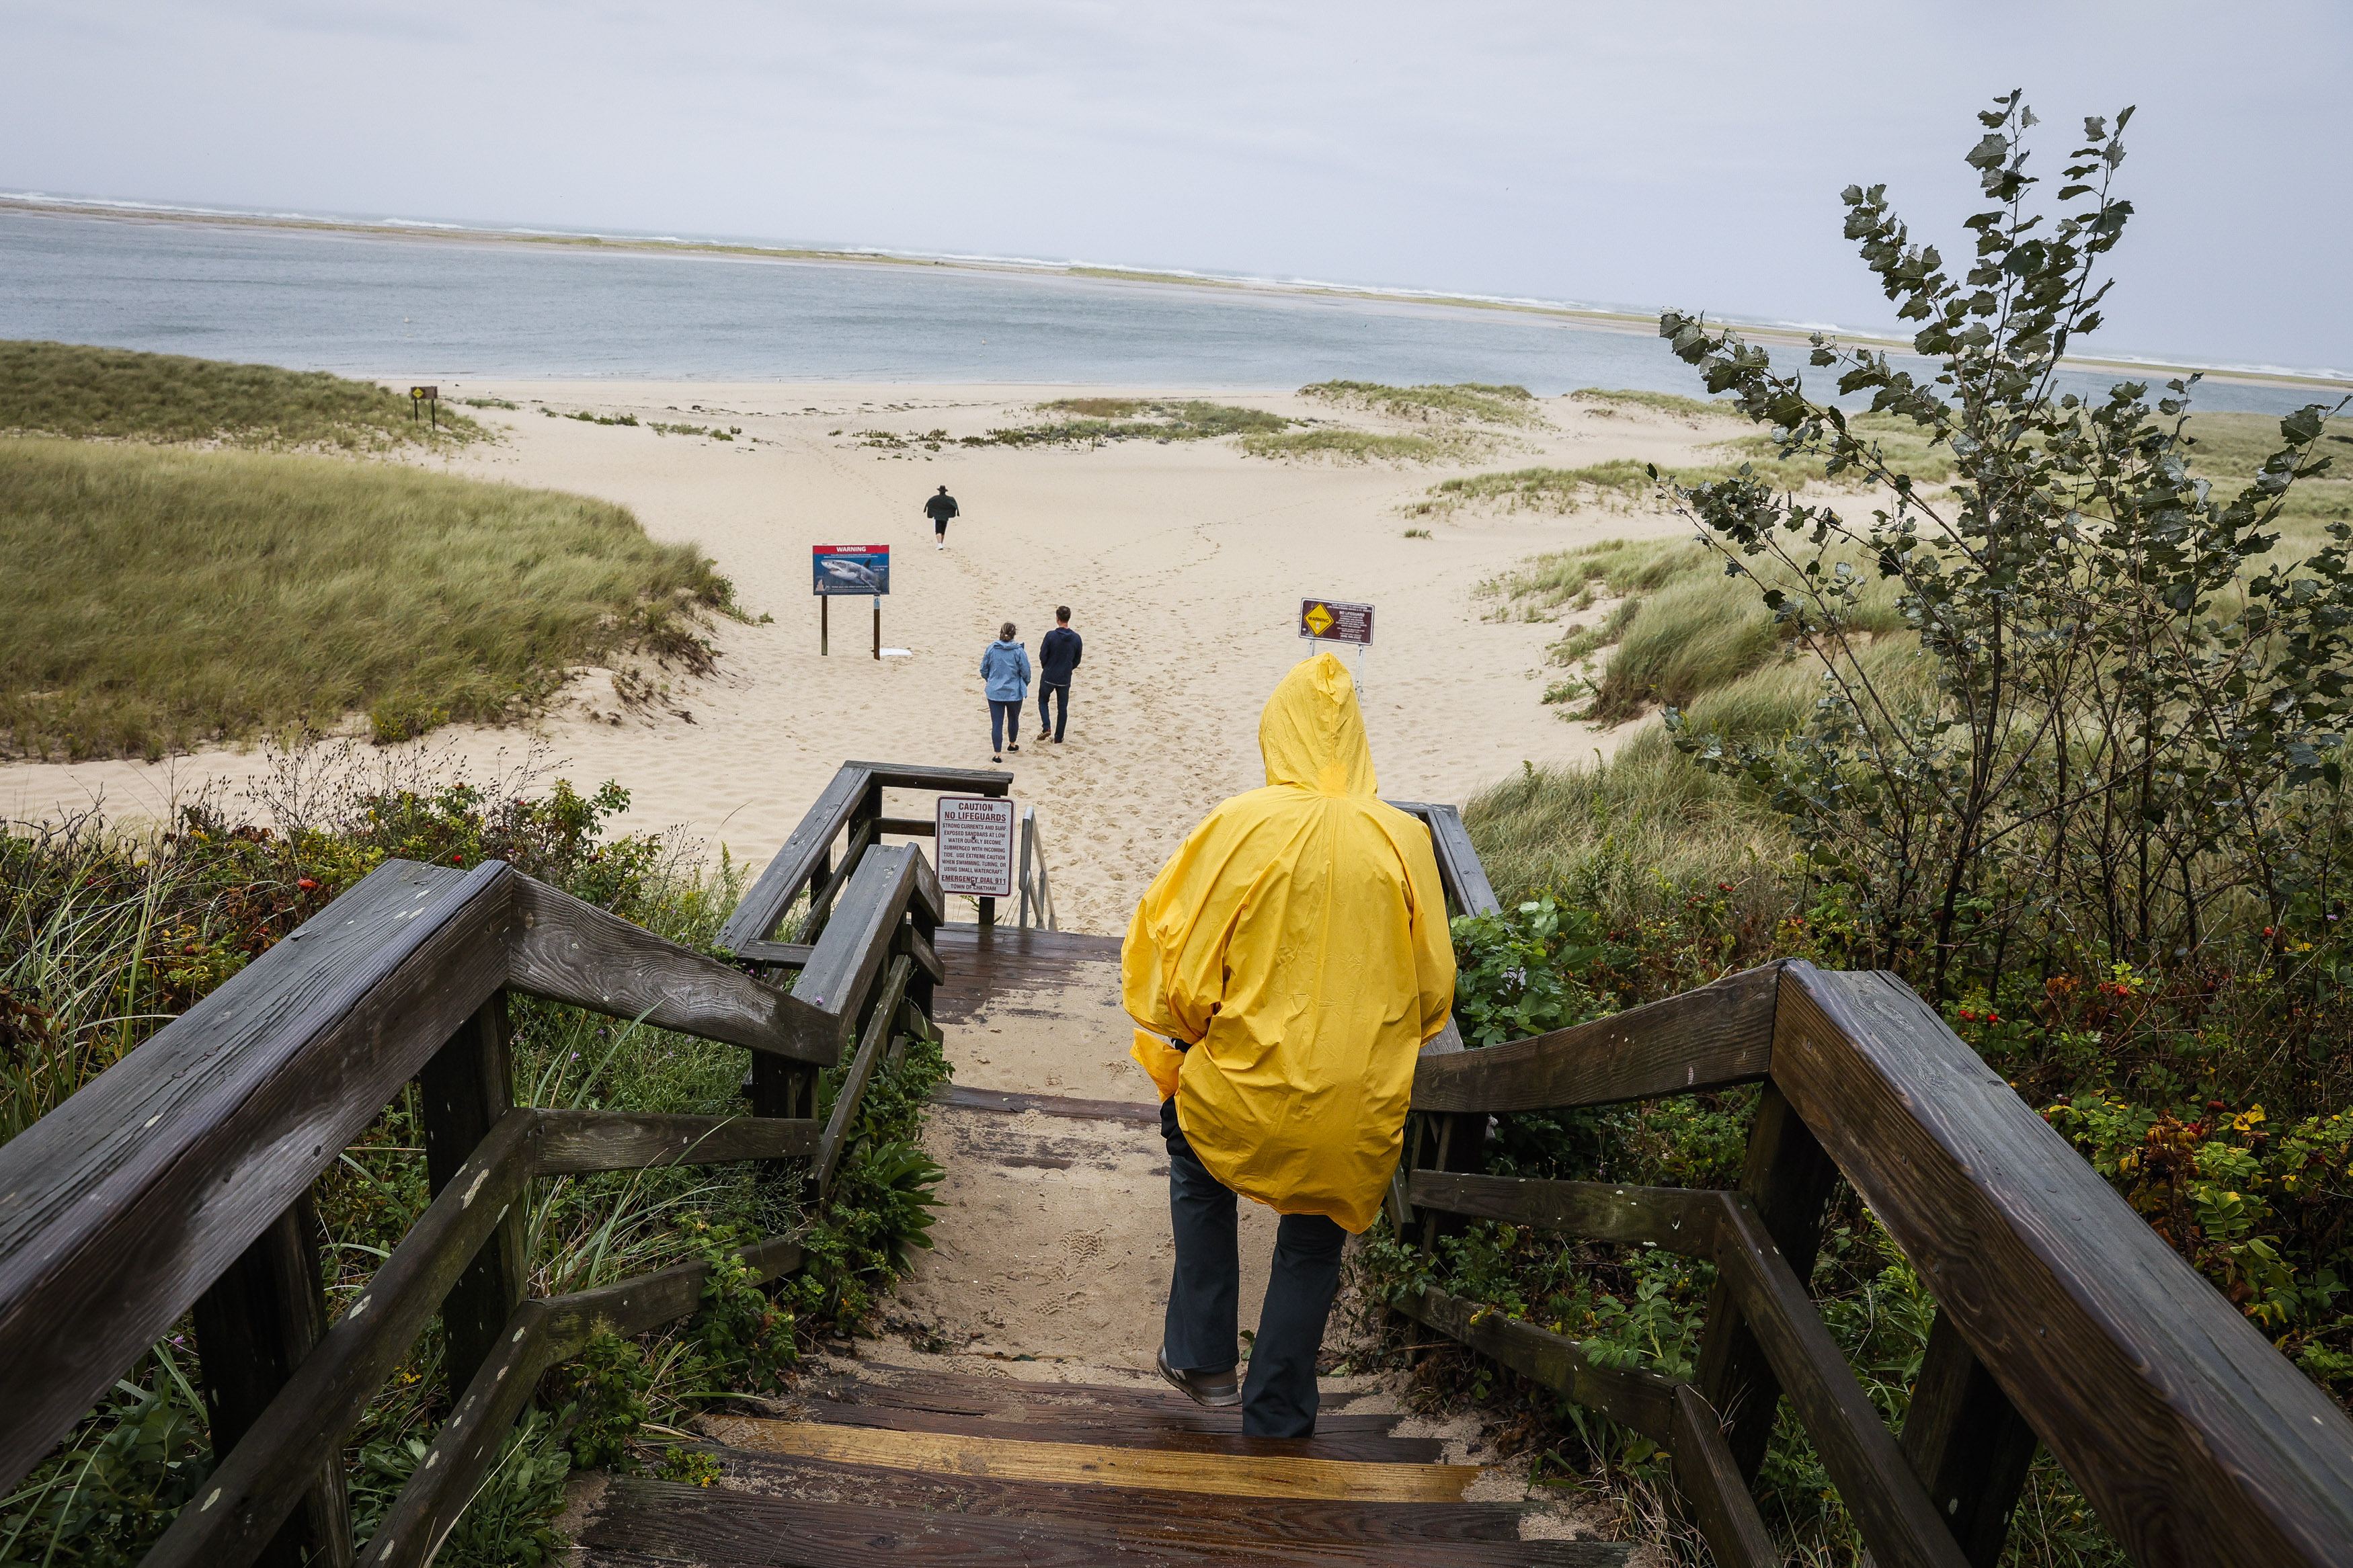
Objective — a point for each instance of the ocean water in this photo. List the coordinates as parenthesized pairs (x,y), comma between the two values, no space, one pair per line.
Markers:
(371,305)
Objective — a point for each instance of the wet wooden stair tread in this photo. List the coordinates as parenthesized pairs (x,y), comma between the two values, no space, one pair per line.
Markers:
(1202,1432)
(1210,1514)
(1017,1399)
(642,1522)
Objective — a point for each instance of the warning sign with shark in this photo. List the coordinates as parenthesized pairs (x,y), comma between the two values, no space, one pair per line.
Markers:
(858,569)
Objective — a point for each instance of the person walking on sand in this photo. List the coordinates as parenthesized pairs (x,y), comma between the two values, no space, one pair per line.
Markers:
(939,509)
(1058,655)
(1005,667)
(1283,971)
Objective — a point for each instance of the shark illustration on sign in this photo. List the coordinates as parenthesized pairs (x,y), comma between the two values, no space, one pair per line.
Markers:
(858,569)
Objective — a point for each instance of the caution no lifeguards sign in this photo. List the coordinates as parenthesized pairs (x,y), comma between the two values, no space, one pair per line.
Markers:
(1336,620)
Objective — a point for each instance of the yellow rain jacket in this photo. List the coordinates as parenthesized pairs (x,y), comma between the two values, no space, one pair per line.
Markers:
(1298,943)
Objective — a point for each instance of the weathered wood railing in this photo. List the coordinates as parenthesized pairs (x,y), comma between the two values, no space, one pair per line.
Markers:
(1036,891)
(2061,1317)
(178,1180)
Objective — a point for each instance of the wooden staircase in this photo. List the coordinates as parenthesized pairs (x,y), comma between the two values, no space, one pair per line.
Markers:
(895,1466)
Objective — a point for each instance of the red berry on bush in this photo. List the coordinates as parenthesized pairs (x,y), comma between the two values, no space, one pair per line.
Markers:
(308,884)
(2216,1105)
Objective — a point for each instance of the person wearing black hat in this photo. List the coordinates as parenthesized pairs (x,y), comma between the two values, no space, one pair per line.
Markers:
(939,509)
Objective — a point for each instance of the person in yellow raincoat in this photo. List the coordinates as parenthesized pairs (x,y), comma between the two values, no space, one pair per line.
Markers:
(1283,970)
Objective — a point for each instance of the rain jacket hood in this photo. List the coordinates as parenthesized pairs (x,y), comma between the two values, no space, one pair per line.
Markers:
(1297,944)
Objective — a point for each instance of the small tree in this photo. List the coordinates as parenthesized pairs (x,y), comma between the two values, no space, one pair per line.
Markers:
(2136,714)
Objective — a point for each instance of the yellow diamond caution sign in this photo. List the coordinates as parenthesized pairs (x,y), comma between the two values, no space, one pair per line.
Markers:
(1336,620)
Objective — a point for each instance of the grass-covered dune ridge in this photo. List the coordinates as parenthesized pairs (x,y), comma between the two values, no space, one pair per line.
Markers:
(79,390)
(162,598)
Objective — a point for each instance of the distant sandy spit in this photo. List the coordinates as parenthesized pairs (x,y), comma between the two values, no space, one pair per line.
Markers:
(1183,564)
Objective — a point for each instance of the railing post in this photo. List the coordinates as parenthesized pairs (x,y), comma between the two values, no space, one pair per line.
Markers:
(465,1088)
(1789,1179)
(253,1329)
(1967,1444)
(1021,879)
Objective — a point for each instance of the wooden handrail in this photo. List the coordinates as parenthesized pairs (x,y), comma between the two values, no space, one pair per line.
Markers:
(805,856)
(123,1207)
(2197,1442)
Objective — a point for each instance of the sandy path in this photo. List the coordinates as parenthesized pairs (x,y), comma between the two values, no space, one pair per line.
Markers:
(1184,564)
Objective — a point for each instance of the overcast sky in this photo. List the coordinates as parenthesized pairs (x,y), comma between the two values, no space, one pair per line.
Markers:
(1641,153)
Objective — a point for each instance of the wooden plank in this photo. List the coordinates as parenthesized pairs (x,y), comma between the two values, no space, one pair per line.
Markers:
(1371,1447)
(963,1097)
(571,951)
(1459,866)
(1011,1399)
(1709,1038)
(1641,1399)
(1198,1515)
(1860,1454)
(948,781)
(1085,1464)
(671,1522)
(777,955)
(1680,1220)
(253,1329)
(463,1091)
(120,1208)
(648,1301)
(823,1005)
(467,1445)
(846,1100)
(820,902)
(1789,1179)
(1714,1487)
(1967,1444)
(807,846)
(2197,1442)
(241,1504)
(907,826)
(916,945)
(575,1141)
(930,901)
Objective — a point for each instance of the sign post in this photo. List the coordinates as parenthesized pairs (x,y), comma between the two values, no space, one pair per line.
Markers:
(973,848)
(836,569)
(427,398)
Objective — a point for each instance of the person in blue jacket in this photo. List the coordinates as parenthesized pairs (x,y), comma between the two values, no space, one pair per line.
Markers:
(1005,667)
(1057,657)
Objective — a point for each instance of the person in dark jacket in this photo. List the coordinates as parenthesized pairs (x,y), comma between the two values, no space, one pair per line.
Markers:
(939,509)
(1057,657)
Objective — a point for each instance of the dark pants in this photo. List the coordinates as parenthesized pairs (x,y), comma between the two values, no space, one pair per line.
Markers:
(1004,723)
(1062,699)
(1279,1395)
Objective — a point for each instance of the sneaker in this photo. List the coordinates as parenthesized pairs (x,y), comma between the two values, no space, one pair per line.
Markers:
(1012,748)
(996,759)
(1214,1390)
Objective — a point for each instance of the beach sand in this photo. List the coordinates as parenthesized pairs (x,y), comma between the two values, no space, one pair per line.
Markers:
(1184,564)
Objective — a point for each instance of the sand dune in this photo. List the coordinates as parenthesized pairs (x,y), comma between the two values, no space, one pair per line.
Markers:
(1183,562)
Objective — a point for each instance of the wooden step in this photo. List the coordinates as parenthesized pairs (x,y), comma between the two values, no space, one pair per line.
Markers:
(1005,1398)
(962,1097)
(1281,1475)
(1214,1517)
(642,1521)
(1178,1434)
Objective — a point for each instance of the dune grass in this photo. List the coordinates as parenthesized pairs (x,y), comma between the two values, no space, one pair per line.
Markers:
(1331,444)
(158,598)
(1599,400)
(1094,420)
(77,390)
(1624,484)
(1463,402)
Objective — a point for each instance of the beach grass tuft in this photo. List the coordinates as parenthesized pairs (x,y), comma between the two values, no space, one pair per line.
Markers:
(1606,401)
(1100,419)
(161,598)
(1471,402)
(1336,444)
(79,390)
